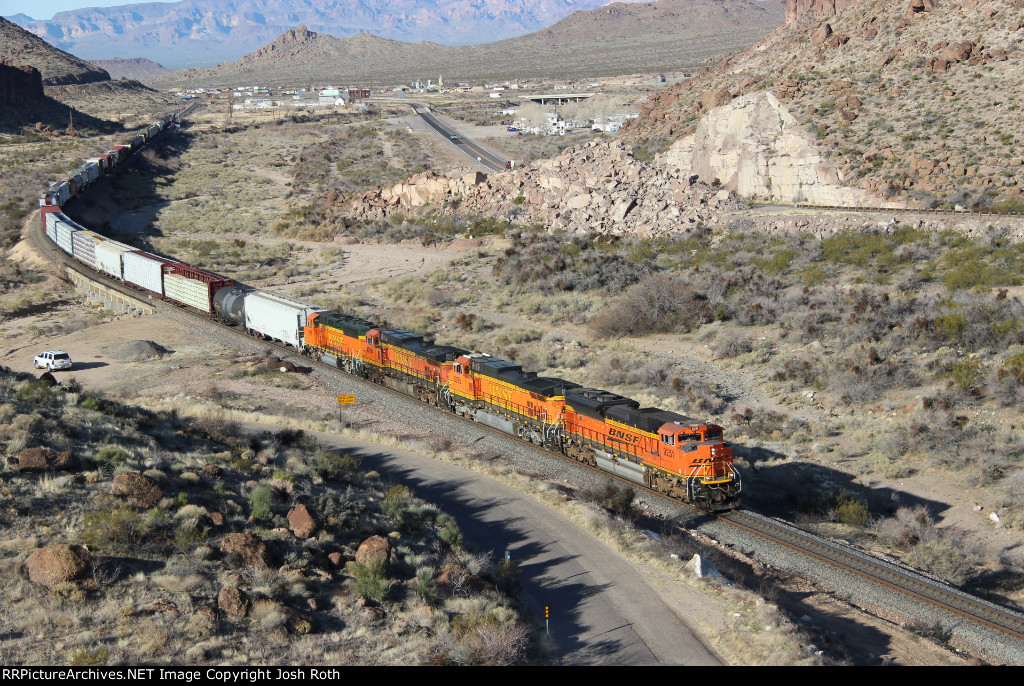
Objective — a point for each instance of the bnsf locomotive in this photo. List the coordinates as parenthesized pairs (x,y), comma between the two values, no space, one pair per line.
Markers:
(681,457)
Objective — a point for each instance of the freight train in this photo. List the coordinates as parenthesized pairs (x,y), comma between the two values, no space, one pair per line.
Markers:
(683,458)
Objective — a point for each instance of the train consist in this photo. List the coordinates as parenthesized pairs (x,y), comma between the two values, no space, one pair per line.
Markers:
(681,457)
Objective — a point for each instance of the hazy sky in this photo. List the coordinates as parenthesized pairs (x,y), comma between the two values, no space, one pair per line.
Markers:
(45,9)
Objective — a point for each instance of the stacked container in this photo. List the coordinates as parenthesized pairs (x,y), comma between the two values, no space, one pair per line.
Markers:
(192,287)
(277,316)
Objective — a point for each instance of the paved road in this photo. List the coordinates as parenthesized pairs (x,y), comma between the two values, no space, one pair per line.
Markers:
(603,611)
(475,152)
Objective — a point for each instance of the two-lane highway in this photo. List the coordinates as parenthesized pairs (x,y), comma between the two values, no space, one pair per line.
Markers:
(475,152)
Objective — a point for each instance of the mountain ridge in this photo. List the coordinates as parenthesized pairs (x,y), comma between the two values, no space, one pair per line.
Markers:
(616,39)
(203,32)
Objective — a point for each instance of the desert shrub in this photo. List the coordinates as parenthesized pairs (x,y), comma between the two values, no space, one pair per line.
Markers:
(395,502)
(111,455)
(85,657)
(853,512)
(36,392)
(448,532)
(731,346)
(262,501)
(759,422)
(659,303)
(617,499)
(116,530)
(967,374)
(330,467)
(480,637)
(945,558)
(908,526)
(426,588)
(370,580)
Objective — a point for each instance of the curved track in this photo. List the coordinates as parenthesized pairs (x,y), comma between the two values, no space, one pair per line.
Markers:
(902,579)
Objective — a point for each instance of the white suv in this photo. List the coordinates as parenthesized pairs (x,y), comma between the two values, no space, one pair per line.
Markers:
(53,360)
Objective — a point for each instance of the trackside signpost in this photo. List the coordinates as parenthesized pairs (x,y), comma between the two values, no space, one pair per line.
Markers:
(344,400)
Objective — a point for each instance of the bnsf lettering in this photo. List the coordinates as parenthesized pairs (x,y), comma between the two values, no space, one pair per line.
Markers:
(622,435)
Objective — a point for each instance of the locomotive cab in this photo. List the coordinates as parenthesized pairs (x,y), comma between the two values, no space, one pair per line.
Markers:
(707,463)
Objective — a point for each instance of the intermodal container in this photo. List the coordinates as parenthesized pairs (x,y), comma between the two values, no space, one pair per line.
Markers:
(192,287)
(109,257)
(65,229)
(145,270)
(277,316)
(83,246)
(50,221)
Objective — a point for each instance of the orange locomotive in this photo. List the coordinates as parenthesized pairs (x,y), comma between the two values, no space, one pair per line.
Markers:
(678,456)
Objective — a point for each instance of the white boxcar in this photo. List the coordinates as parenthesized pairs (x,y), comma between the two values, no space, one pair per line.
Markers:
(145,270)
(109,256)
(83,246)
(277,316)
(65,230)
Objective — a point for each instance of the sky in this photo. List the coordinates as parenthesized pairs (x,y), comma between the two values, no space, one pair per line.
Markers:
(45,9)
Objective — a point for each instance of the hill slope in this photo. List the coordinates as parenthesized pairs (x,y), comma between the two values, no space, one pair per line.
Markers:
(619,38)
(913,100)
(21,48)
(131,68)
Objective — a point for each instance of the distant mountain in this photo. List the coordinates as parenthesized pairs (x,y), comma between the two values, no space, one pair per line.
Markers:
(21,48)
(615,39)
(204,32)
(138,68)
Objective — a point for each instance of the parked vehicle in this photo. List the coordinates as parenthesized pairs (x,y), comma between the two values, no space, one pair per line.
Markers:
(53,360)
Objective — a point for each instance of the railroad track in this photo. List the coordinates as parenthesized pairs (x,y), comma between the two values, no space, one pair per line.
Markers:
(904,580)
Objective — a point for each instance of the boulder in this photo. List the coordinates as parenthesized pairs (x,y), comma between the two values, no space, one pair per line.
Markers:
(233,601)
(302,522)
(138,489)
(821,34)
(250,549)
(715,98)
(43,460)
(57,564)
(374,548)
(703,569)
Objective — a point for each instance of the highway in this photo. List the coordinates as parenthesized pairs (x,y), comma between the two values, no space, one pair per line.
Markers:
(473,151)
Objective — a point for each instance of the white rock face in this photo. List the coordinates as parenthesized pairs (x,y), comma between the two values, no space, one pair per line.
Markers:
(701,568)
(756,148)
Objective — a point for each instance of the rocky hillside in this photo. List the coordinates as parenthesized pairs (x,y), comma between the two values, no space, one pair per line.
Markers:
(18,84)
(593,187)
(907,101)
(203,32)
(138,68)
(21,48)
(616,39)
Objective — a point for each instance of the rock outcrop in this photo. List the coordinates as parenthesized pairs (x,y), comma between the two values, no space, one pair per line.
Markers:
(756,148)
(592,187)
(43,460)
(138,489)
(251,551)
(19,84)
(819,9)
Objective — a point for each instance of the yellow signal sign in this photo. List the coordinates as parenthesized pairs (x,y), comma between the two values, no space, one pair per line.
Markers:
(346,400)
